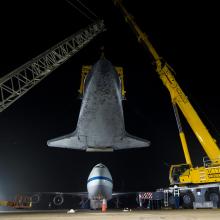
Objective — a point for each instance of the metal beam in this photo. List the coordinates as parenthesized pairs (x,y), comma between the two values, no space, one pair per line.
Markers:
(18,82)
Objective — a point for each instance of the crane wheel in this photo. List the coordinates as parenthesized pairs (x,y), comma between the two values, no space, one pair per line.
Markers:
(171,201)
(214,196)
(187,200)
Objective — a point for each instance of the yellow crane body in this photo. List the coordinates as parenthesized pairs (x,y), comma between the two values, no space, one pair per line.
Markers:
(193,175)
(182,173)
(177,95)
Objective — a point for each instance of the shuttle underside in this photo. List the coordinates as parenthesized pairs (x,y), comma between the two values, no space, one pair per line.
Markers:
(100,124)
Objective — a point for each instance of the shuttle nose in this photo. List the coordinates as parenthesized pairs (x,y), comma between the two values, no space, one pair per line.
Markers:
(103,66)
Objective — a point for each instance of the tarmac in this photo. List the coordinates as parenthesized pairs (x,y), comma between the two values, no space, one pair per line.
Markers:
(198,214)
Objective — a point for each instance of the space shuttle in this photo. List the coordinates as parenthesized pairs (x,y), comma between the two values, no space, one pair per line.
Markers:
(100,124)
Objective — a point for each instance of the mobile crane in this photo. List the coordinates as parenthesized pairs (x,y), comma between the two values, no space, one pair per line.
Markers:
(196,184)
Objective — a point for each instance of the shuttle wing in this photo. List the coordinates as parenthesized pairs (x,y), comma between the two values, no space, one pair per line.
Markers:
(130,141)
(72,141)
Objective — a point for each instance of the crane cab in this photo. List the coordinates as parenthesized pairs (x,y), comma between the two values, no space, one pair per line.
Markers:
(183,174)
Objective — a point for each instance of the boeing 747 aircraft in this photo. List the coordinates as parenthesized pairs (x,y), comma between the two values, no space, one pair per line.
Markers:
(99,190)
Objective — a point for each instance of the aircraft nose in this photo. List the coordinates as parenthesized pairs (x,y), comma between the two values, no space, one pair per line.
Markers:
(100,165)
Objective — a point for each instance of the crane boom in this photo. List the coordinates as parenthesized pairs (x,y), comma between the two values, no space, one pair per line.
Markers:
(18,82)
(165,73)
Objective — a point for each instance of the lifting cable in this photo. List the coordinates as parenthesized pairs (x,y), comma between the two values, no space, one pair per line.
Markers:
(83,13)
(89,10)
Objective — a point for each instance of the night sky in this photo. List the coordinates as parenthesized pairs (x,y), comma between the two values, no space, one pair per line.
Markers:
(185,34)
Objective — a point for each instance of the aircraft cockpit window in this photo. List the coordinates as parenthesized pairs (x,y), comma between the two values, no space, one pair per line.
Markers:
(100,166)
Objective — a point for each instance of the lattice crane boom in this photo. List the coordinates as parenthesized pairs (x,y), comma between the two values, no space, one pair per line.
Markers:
(19,81)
